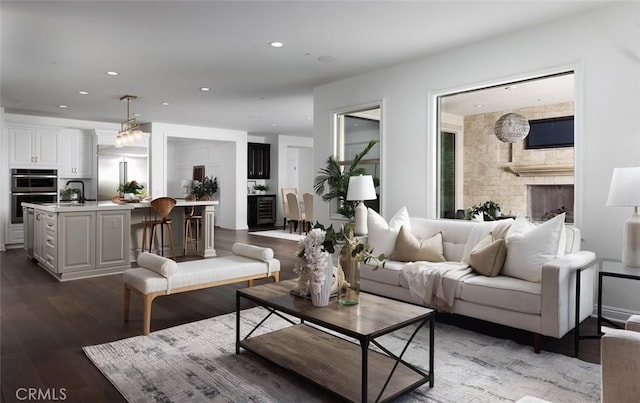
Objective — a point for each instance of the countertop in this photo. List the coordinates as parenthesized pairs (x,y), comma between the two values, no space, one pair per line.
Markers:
(108,205)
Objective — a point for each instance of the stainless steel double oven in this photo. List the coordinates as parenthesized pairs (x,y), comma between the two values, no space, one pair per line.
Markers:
(33,186)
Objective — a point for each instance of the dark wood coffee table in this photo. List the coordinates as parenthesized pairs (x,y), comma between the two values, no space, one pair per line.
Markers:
(350,370)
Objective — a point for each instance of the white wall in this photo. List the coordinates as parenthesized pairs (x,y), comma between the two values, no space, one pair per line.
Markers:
(602,47)
(230,161)
(301,150)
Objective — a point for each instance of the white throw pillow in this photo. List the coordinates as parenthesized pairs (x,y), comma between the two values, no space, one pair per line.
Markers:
(382,236)
(528,250)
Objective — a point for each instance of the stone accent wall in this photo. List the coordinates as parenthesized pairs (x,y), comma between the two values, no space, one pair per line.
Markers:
(487,160)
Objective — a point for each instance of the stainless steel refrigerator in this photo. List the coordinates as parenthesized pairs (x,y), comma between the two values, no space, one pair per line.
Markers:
(120,165)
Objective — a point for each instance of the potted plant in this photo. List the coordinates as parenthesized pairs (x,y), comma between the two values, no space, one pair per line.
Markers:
(205,189)
(490,210)
(336,180)
(69,194)
(129,190)
(260,189)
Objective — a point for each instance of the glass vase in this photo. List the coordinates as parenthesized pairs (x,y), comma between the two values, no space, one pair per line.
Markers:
(349,291)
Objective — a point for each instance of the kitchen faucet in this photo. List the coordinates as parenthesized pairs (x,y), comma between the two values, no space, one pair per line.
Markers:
(82,199)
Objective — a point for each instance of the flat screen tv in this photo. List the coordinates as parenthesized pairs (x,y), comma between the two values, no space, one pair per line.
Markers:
(550,133)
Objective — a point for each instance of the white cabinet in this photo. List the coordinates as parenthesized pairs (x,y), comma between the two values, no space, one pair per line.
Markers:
(31,147)
(84,243)
(76,154)
(45,239)
(76,241)
(112,238)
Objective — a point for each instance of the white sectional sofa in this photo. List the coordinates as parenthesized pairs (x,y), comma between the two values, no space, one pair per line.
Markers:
(539,298)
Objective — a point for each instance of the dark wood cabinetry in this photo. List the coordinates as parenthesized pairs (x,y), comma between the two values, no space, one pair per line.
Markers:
(259,161)
(261,210)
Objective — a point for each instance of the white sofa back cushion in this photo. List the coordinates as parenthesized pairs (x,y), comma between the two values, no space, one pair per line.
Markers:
(531,246)
(383,235)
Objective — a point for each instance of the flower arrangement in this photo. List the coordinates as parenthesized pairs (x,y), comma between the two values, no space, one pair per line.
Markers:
(314,250)
(131,187)
(311,261)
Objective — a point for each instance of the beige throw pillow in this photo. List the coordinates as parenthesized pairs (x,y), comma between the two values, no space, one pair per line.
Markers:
(410,249)
(489,259)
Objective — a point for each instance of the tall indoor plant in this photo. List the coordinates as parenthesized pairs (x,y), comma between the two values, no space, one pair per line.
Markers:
(336,180)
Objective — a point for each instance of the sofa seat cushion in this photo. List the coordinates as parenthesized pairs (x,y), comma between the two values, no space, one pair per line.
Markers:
(390,274)
(502,292)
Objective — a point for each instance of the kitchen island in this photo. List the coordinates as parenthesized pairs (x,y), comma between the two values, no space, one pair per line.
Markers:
(79,240)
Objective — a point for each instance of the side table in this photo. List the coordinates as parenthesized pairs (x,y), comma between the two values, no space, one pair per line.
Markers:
(617,271)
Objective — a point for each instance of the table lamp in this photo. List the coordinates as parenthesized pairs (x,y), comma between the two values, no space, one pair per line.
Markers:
(361,188)
(625,191)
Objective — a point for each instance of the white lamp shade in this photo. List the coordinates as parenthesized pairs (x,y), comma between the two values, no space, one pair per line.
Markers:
(361,188)
(625,187)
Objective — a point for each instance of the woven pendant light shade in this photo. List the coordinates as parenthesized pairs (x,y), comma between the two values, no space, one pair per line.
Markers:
(511,128)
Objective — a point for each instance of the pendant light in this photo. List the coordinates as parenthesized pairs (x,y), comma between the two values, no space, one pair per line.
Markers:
(129,130)
(512,127)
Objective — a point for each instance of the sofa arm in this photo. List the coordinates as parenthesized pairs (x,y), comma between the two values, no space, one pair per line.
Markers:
(620,359)
(558,291)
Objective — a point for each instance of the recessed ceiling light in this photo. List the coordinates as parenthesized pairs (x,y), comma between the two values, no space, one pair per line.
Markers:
(276,44)
(165,104)
(83,93)
(273,125)
(112,73)
(205,89)
(478,105)
(62,106)
(136,114)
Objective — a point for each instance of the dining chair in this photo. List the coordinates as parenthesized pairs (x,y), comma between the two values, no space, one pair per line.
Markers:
(163,207)
(285,205)
(307,198)
(295,215)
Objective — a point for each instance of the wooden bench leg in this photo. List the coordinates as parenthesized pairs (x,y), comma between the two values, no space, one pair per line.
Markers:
(127,302)
(249,283)
(275,276)
(147,299)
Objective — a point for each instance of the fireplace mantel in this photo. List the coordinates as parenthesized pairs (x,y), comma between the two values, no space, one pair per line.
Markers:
(542,170)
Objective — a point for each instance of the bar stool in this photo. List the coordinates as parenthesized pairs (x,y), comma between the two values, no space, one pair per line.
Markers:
(189,220)
(163,206)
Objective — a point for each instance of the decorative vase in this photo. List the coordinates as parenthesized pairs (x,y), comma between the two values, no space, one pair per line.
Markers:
(129,196)
(349,291)
(321,298)
(205,198)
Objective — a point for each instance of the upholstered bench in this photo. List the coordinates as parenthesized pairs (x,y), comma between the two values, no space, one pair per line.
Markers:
(158,276)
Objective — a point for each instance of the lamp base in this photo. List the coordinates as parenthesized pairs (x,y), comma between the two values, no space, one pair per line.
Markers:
(361,220)
(631,242)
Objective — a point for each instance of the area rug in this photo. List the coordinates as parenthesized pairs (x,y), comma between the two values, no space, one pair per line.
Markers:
(279,234)
(196,362)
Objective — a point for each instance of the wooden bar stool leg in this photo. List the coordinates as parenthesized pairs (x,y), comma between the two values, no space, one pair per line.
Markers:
(173,247)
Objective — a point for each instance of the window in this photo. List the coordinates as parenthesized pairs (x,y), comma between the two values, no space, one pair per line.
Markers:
(354,130)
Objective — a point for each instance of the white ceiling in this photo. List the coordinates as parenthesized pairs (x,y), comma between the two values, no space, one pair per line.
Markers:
(535,92)
(166,50)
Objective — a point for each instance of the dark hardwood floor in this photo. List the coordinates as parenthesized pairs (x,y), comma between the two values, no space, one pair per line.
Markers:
(45,323)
